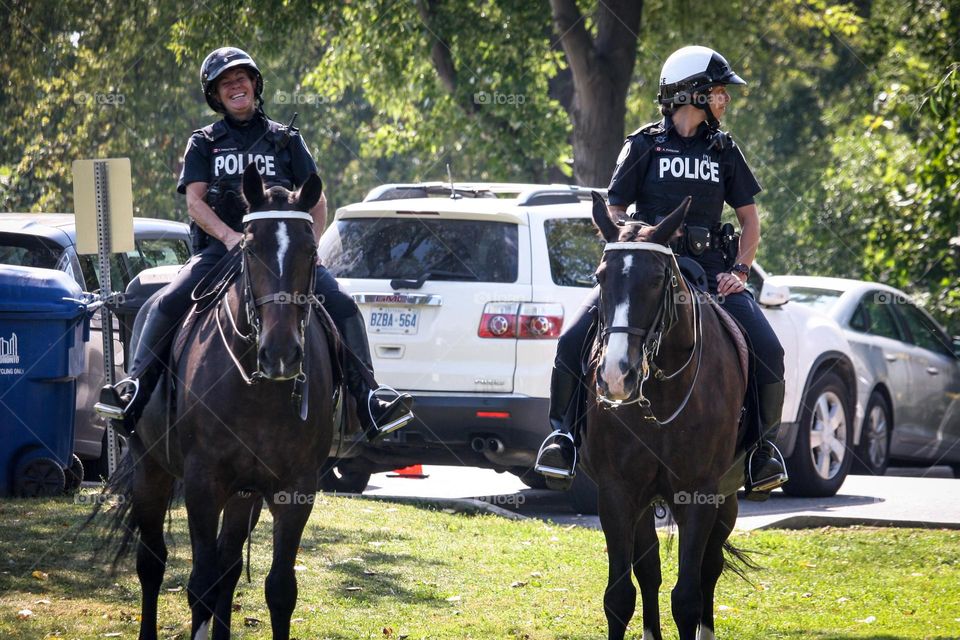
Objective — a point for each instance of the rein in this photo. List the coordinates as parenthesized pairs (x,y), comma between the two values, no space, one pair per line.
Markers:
(251,306)
(664,320)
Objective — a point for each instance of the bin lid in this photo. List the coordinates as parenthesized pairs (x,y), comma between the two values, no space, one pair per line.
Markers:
(35,290)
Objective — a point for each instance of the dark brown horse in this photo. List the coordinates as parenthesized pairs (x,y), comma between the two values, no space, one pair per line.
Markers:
(252,425)
(662,424)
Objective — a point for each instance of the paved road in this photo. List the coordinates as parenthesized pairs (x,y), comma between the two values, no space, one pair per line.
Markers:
(904,497)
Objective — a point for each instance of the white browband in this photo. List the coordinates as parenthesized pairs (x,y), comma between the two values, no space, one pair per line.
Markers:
(268,215)
(637,246)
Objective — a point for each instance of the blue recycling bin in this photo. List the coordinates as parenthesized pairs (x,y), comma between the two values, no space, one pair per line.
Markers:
(43,327)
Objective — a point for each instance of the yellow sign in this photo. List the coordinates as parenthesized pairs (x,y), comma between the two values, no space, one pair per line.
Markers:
(119,201)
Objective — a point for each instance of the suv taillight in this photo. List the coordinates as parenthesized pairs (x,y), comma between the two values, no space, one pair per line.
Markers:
(530,320)
(499,320)
(540,320)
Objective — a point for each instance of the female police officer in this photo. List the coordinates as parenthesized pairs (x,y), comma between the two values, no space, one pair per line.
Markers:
(684,154)
(212,170)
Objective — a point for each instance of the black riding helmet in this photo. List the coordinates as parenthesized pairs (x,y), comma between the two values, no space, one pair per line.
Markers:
(221,60)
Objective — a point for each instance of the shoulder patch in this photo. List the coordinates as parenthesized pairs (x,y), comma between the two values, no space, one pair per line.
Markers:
(650,129)
(624,153)
(213,131)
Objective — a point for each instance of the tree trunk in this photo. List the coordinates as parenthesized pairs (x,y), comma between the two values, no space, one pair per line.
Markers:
(602,68)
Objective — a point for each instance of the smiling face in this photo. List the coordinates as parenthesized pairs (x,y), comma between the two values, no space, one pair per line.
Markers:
(235,91)
(718,99)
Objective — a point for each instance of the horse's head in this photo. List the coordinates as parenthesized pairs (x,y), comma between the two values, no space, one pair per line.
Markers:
(279,257)
(637,278)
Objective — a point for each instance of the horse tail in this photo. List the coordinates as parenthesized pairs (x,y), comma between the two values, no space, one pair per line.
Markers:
(739,561)
(112,515)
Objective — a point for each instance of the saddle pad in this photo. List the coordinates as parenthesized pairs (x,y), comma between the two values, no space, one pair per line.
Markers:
(736,334)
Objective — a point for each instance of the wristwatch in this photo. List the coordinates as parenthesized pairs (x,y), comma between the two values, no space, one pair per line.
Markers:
(741,268)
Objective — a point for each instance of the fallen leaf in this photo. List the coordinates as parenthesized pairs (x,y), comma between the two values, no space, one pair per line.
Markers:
(387,631)
(536,574)
(40,575)
(517,584)
(42,602)
(24,614)
(842,599)
(237,606)
(250,621)
(868,620)
(807,595)
(354,588)
(454,599)
(175,589)
(370,572)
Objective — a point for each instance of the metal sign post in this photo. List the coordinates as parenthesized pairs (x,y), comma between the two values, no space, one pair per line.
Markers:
(111,194)
(102,193)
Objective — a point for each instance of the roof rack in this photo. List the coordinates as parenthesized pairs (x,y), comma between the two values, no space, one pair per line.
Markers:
(526,194)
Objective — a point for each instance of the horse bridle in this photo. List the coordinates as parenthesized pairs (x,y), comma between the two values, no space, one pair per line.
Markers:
(664,320)
(251,306)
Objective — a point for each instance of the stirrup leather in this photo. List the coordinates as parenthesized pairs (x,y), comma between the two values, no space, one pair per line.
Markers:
(110,406)
(557,472)
(393,425)
(771,483)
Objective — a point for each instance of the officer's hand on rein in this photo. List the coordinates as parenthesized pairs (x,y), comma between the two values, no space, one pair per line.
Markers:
(232,239)
(728,283)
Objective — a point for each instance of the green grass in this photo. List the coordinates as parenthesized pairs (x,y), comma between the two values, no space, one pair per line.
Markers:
(380,570)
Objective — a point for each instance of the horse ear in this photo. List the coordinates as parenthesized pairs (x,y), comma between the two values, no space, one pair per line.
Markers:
(253,187)
(601,217)
(310,192)
(663,232)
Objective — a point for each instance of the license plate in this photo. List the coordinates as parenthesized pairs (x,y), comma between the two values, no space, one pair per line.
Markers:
(404,320)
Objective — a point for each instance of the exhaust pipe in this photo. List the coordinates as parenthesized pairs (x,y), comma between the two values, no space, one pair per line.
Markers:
(495,445)
(478,444)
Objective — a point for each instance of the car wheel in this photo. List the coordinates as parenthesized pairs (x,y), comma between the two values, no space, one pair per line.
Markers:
(38,478)
(821,458)
(530,478)
(73,476)
(873,452)
(337,477)
(583,494)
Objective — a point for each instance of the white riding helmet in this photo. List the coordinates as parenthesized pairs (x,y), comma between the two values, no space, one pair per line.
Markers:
(690,70)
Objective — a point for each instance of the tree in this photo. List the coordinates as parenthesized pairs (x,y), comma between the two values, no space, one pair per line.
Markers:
(602,67)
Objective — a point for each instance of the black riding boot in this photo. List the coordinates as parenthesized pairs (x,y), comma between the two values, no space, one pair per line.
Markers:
(765,471)
(558,459)
(377,417)
(124,402)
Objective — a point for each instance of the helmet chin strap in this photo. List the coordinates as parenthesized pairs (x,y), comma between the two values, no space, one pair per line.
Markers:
(704,105)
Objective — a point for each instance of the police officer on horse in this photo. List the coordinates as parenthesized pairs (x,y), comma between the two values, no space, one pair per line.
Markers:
(213,166)
(686,153)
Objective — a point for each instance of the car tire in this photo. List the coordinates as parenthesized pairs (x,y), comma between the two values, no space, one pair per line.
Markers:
(73,476)
(530,478)
(38,478)
(822,455)
(873,452)
(337,477)
(583,494)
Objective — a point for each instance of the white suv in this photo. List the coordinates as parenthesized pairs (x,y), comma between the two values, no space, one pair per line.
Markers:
(464,298)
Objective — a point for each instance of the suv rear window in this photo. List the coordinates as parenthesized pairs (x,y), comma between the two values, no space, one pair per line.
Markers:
(379,248)
(575,251)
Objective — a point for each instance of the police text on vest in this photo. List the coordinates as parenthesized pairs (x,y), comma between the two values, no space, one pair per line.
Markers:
(690,168)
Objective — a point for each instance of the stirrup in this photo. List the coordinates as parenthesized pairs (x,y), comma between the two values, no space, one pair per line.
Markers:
(379,431)
(766,485)
(111,405)
(557,472)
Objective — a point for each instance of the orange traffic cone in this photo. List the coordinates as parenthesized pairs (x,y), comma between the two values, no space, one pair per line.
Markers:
(413,471)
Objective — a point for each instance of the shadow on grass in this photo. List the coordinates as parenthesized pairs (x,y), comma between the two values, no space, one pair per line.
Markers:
(370,575)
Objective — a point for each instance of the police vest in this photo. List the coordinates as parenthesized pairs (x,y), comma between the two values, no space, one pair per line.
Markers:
(229,156)
(674,169)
